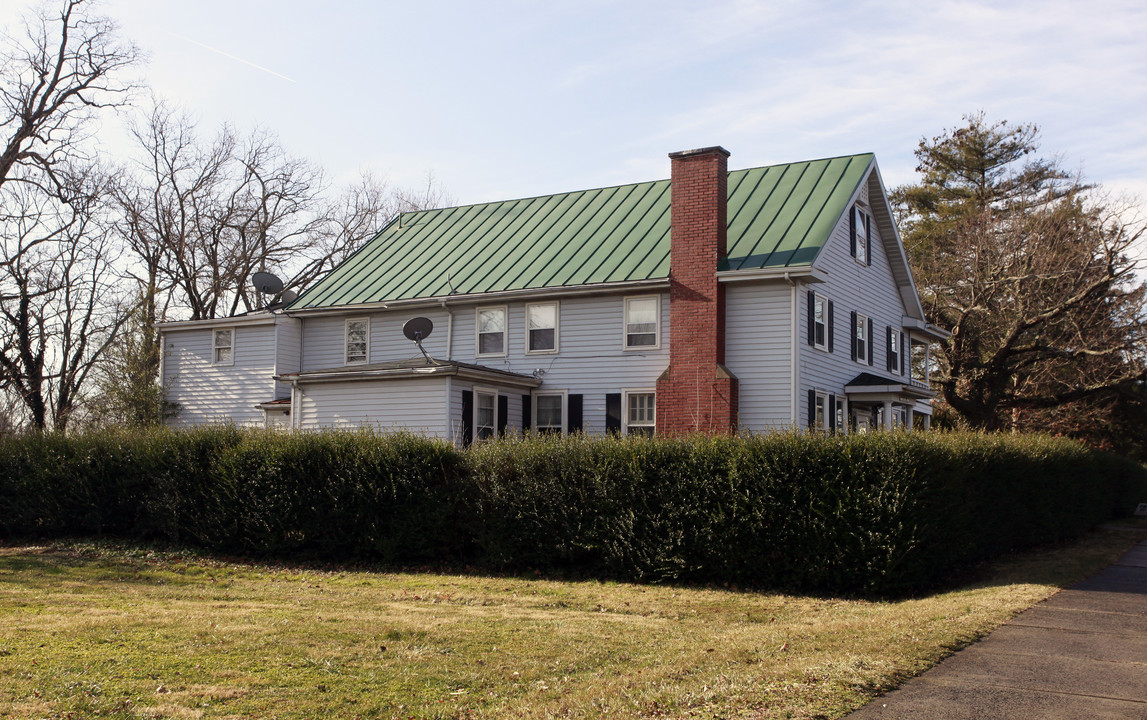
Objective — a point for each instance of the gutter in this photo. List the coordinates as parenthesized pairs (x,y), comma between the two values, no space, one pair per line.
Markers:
(808,273)
(592,289)
(414,372)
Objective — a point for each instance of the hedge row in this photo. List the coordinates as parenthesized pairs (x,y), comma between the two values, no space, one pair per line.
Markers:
(874,513)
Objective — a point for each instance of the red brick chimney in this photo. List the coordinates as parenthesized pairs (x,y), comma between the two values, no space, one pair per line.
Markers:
(696,393)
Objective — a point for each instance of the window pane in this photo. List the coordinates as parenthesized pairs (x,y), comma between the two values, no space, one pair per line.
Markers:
(485,420)
(222,338)
(542,339)
(493,320)
(549,411)
(541,316)
(222,355)
(490,343)
(642,310)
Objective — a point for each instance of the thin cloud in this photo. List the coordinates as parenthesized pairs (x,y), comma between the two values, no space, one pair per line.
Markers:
(232,57)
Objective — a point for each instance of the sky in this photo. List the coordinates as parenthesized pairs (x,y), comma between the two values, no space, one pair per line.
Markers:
(508,98)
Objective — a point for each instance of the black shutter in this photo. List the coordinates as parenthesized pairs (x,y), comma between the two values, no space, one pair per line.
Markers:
(852,332)
(830,325)
(903,352)
(811,408)
(852,230)
(888,349)
(527,413)
(467,417)
(574,413)
(867,239)
(869,348)
(832,412)
(613,413)
(811,318)
(503,411)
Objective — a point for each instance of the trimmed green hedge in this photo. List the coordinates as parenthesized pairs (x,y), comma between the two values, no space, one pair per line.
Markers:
(875,513)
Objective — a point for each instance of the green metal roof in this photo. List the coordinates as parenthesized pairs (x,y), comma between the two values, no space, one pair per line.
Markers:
(779,216)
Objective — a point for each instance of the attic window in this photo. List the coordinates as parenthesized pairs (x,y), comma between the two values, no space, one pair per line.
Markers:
(223,346)
(861,235)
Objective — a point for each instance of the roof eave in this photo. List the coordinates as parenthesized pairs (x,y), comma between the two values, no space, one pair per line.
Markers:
(804,272)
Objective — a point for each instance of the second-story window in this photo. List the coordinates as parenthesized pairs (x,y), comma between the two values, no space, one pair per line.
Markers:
(861,347)
(820,322)
(542,327)
(491,331)
(357,341)
(641,326)
(893,350)
(223,346)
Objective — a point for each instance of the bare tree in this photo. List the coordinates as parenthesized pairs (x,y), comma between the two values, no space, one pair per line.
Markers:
(57,303)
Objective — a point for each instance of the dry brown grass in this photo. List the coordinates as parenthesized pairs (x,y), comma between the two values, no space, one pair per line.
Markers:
(121,632)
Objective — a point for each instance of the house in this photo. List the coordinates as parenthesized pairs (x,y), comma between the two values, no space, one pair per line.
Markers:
(714,301)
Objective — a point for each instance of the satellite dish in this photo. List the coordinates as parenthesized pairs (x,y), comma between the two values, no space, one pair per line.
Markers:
(417,329)
(288,296)
(267,283)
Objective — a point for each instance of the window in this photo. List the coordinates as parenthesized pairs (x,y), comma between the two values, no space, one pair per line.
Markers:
(820,322)
(893,351)
(860,338)
(485,414)
(357,341)
(641,322)
(640,412)
(820,408)
(549,413)
(542,328)
(841,416)
(491,331)
(223,346)
(861,241)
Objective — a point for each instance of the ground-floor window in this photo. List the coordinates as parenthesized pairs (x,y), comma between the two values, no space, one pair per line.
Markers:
(485,414)
(549,413)
(640,412)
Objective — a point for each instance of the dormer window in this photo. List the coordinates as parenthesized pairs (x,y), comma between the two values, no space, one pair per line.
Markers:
(861,231)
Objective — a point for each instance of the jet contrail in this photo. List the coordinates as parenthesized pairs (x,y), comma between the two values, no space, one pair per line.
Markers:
(229,55)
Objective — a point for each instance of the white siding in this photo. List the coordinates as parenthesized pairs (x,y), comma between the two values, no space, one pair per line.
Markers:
(415,405)
(289,352)
(208,393)
(871,291)
(758,350)
(590,361)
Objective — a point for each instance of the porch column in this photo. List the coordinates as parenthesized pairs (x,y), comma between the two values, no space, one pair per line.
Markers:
(887,414)
(927,423)
(909,422)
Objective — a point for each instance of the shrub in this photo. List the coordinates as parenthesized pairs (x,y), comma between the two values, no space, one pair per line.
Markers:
(876,513)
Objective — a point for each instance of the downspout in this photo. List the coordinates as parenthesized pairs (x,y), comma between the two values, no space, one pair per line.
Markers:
(794,401)
(295,409)
(449,330)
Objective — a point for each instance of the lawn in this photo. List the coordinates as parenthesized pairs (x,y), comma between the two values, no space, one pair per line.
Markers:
(120,631)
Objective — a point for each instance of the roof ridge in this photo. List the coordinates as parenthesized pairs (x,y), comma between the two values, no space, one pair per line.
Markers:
(620,185)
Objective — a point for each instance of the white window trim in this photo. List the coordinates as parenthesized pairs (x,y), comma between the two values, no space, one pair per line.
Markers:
(625,393)
(480,390)
(215,347)
(822,402)
(557,327)
(564,394)
(860,209)
(824,306)
(894,337)
(862,321)
(625,324)
(505,331)
(346,341)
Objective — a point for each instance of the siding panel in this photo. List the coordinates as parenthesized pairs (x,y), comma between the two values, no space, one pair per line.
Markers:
(208,393)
